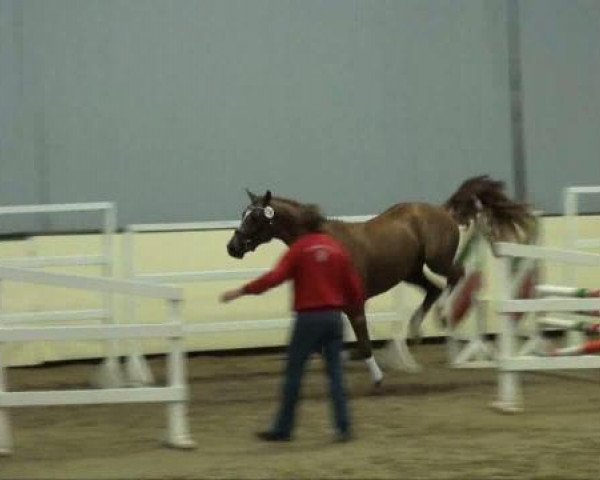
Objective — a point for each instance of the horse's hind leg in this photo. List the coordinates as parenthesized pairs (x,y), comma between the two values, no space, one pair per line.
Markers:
(439,257)
(432,293)
(445,266)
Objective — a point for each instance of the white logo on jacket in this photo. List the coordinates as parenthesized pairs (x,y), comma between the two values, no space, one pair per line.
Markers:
(321,252)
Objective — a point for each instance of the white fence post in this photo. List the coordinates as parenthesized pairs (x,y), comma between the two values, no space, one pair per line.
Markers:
(508,380)
(178,433)
(174,395)
(574,242)
(512,362)
(468,349)
(6,444)
(571,211)
(109,375)
(138,371)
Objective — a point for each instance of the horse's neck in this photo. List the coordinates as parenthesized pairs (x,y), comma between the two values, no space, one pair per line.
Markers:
(289,231)
(341,231)
(287,237)
(288,228)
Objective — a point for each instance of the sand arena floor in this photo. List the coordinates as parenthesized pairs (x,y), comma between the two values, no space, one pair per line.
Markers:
(436,424)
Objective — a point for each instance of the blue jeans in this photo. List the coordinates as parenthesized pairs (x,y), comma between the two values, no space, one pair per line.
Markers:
(315,330)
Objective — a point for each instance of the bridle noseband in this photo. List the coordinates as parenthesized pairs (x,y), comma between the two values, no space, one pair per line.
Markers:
(264,234)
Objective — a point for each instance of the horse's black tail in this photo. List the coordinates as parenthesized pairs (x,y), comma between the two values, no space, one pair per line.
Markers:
(485,199)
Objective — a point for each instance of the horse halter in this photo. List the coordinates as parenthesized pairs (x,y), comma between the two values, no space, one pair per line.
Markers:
(250,242)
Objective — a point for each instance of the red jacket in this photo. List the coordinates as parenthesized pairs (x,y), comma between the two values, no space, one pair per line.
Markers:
(323,276)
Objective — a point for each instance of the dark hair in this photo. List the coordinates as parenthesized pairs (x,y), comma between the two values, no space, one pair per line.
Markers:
(312,218)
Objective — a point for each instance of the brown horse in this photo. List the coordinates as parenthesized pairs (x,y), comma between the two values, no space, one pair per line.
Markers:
(396,245)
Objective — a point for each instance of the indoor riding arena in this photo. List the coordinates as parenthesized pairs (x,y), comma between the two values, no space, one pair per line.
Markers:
(157,158)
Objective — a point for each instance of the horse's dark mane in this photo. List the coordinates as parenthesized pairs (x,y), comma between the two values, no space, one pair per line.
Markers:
(308,215)
(289,201)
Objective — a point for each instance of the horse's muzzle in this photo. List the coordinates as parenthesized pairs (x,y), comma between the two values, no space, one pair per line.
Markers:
(235,247)
(234,252)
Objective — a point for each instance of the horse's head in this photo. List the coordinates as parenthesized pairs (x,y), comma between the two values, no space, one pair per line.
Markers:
(269,217)
(256,227)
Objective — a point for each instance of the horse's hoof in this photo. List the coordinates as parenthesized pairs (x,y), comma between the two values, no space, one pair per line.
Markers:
(377,387)
(416,337)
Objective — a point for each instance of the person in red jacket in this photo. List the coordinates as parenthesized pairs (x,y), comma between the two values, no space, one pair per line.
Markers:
(325,285)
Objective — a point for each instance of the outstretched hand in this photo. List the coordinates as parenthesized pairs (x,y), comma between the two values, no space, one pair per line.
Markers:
(231,295)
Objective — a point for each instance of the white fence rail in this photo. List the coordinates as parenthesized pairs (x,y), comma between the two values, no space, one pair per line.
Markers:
(214,225)
(573,238)
(510,363)
(109,374)
(107,227)
(174,394)
(546,253)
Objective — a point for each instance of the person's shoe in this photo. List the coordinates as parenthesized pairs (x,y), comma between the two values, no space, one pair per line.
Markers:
(343,437)
(270,436)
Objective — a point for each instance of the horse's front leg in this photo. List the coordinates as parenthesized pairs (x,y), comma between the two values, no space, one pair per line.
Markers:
(359,326)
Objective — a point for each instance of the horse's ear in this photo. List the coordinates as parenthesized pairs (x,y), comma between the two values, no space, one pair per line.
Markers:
(253,197)
(267,198)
